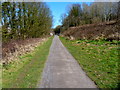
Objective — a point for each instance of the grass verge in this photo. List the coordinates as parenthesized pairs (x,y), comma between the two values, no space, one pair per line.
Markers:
(99,59)
(26,72)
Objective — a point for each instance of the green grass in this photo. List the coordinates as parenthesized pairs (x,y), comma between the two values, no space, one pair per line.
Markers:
(26,72)
(99,59)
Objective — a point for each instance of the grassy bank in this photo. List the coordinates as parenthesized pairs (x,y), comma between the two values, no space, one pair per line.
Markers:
(98,58)
(25,72)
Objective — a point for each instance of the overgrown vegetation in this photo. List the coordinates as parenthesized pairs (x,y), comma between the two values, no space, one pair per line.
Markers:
(102,31)
(99,59)
(26,72)
(21,20)
(96,12)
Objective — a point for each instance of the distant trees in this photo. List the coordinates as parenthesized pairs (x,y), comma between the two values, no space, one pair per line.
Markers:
(118,11)
(74,16)
(22,20)
(57,30)
(86,14)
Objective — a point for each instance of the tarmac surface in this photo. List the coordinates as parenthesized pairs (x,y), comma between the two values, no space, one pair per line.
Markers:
(62,70)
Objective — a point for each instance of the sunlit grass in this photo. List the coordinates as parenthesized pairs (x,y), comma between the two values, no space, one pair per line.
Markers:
(26,72)
(99,59)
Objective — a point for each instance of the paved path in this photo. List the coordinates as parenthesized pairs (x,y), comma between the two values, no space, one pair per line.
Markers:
(62,70)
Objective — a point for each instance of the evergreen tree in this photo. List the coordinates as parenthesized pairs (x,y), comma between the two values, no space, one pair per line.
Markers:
(21,20)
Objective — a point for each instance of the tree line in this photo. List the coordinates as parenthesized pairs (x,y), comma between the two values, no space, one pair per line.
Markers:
(80,14)
(21,20)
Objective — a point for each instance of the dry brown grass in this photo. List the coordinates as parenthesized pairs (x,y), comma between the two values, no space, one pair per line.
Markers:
(107,30)
(14,48)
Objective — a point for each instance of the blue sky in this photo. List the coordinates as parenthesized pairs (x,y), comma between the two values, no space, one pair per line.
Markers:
(57,9)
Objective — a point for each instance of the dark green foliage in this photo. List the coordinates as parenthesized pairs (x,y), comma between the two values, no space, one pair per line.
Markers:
(22,20)
(57,30)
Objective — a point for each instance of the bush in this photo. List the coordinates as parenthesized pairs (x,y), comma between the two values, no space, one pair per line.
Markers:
(96,20)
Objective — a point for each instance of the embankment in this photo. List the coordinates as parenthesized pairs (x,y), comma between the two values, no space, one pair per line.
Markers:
(108,30)
(15,48)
